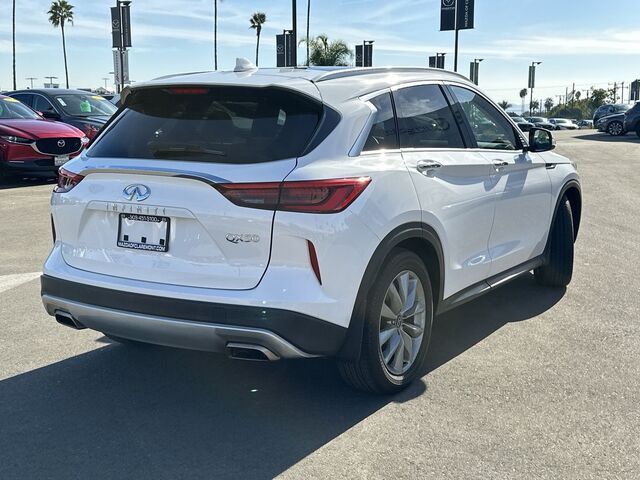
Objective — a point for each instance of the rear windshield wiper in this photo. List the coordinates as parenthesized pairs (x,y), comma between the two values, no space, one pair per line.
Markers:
(168,150)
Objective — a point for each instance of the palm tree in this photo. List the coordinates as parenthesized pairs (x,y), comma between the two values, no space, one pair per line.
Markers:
(14,45)
(505,104)
(523,94)
(548,104)
(326,53)
(256,21)
(308,16)
(535,105)
(61,12)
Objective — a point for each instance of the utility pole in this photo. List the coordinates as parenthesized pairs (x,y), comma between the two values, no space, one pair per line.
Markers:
(105,82)
(559,99)
(622,92)
(31,79)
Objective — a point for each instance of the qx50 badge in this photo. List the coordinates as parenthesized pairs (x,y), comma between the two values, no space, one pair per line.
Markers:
(136,191)
(242,237)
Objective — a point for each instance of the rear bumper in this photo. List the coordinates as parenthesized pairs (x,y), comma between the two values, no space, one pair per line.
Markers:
(190,324)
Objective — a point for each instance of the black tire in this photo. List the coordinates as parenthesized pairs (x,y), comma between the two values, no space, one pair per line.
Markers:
(369,373)
(615,128)
(559,268)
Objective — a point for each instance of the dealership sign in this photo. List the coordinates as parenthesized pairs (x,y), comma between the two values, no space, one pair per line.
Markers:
(456,14)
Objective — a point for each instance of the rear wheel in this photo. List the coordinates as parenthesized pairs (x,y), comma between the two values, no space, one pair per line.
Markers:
(397,327)
(615,128)
(559,268)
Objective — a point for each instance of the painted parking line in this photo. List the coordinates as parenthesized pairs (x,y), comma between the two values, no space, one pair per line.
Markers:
(8,282)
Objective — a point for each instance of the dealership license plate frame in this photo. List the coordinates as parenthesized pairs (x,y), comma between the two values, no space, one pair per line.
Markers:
(60,160)
(162,234)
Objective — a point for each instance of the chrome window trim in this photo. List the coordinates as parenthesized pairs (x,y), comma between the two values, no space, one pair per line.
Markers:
(158,171)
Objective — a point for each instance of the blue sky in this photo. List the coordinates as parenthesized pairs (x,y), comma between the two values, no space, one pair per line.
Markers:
(589,42)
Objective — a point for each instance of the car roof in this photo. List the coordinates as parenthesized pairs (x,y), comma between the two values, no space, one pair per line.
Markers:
(331,84)
(52,91)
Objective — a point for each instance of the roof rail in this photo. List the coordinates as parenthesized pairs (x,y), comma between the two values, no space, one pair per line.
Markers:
(353,72)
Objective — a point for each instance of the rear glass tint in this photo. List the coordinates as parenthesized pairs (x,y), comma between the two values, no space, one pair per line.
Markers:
(212,124)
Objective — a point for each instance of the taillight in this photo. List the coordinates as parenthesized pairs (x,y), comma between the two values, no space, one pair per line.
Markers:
(308,196)
(66,181)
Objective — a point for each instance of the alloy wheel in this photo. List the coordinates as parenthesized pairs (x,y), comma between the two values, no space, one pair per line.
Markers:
(402,322)
(615,128)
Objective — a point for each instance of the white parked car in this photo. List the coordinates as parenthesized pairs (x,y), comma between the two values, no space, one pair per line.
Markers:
(563,124)
(292,213)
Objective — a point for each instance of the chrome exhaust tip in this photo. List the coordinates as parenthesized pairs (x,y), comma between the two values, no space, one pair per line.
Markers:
(251,352)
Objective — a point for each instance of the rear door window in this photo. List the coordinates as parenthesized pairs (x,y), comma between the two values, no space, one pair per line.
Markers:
(425,118)
(212,124)
(383,135)
(24,98)
(41,104)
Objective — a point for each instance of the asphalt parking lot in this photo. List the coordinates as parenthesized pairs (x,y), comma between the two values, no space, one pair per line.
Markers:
(526,382)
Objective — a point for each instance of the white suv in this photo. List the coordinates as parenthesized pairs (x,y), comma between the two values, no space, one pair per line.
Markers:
(288,213)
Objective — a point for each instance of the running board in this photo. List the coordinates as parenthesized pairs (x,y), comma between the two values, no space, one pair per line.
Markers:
(474,291)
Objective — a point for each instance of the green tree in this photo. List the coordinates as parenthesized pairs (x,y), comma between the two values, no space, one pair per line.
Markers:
(326,53)
(535,106)
(256,21)
(61,12)
(523,95)
(505,104)
(599,96)
(548,104)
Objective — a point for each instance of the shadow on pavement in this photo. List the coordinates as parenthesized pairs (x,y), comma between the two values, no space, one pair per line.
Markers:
(605,137)
(18,182)
(151,412)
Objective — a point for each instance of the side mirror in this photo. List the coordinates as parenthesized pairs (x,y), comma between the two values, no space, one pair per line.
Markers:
(541,140)
(51,115)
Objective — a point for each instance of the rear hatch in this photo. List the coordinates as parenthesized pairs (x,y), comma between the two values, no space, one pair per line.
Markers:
(151,205)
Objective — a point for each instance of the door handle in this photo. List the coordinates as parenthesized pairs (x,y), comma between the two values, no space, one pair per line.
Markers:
(499,165)
(424,166)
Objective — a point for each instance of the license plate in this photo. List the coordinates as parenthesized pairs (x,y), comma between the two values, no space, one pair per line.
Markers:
(60,160)
(143,232)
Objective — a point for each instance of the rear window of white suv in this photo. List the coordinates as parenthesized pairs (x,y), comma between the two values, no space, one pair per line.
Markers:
(211,124)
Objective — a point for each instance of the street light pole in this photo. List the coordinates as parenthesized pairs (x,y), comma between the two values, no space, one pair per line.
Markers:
(294,28)
(50,78)
(31,79)
(532,84)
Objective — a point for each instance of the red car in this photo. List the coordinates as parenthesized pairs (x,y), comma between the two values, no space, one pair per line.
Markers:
(31,145)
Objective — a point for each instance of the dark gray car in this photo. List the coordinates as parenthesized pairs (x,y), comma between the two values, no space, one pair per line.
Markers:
(612,124)
(632,119)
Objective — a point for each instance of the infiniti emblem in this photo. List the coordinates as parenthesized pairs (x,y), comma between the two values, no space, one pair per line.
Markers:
(136,190)
(61,143)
